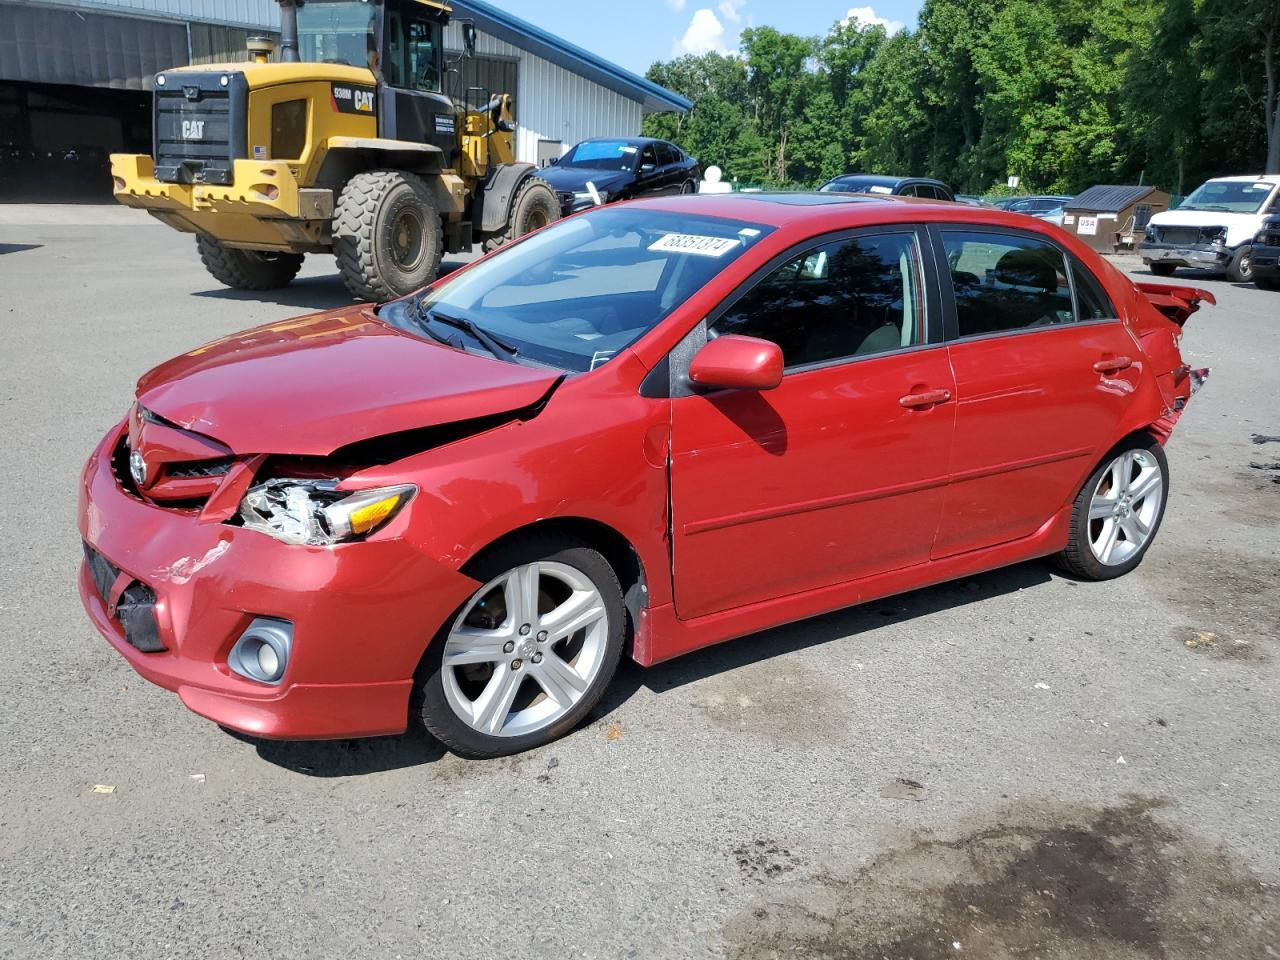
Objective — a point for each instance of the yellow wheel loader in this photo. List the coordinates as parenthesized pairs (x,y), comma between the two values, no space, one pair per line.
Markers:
(350,144)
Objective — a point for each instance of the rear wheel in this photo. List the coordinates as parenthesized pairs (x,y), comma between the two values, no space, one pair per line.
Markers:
(247,269)
(387,235)
(1162,269)
(1118,511)
(688,187)
(1240,269)
(535,205)
(524,659)
(1266,283)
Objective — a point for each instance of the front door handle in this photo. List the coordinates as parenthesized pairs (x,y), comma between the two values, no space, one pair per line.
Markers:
(1112,364)
(927,398)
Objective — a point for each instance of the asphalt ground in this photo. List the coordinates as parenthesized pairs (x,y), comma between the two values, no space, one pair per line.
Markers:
(1092,768)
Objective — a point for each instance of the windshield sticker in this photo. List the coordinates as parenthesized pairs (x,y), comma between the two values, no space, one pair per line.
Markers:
(601,356)
(691,243)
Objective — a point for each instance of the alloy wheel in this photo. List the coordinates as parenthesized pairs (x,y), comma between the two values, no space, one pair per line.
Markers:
(1124,507)
(525,649)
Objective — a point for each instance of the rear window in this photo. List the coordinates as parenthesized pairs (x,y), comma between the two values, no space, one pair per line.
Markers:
(1005,282)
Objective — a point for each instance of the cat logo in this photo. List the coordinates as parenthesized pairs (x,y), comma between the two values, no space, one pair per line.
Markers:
(192,129)
(353,99)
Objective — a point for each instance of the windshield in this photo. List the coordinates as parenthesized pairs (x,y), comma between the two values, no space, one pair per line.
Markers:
(1228,196)
(336,31)
(578,292)
(602,155)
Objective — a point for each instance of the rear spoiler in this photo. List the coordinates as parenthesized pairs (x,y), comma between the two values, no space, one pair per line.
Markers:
(1175,301)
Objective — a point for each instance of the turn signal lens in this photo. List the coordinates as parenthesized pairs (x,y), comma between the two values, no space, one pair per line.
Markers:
(366,511)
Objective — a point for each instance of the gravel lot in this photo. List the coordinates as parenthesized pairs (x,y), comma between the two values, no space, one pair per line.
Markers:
(1099,762)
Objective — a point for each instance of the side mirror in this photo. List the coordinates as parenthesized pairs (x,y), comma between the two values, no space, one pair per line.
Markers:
(552,161)
(469,38)
(737,363)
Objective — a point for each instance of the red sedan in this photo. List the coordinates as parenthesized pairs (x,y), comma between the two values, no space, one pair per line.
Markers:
(640,431)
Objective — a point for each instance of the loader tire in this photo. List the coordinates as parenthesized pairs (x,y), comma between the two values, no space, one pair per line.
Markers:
(534,206)
(247,269)
(387,235)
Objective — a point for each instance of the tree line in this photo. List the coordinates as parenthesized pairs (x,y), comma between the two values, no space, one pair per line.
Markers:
(1060,93)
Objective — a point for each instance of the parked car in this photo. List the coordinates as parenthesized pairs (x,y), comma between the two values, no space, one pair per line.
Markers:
(972,200)
(1213,228)
(639,431)
(1034,205)
(888,186)
(620,169)
(1266,255)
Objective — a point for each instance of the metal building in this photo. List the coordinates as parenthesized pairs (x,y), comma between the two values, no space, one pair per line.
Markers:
(76,76)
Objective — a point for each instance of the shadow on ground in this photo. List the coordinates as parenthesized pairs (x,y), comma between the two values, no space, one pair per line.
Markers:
(356,757)
(307,293)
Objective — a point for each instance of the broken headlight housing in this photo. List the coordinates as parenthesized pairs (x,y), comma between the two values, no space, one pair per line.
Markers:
(317,513)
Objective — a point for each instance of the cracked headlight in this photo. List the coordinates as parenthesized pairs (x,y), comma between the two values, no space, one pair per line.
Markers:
(316,513)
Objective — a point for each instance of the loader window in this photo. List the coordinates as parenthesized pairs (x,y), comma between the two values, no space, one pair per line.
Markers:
(335,31)
(413,56)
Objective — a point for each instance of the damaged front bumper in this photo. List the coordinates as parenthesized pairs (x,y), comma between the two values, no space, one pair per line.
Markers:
(1209,256)
(173,592)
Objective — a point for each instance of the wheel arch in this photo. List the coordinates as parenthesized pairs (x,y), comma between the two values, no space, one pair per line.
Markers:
(617,550)
(494,201)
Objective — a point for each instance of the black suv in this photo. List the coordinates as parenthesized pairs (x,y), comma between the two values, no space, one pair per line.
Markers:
(618,169)
(889,186)
(1266,255)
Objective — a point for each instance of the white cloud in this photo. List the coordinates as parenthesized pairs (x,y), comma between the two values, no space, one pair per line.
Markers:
(863,17)
(729,10)
(676,5)
(706,34)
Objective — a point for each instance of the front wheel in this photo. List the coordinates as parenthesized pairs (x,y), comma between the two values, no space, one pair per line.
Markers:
(1118,511)
(387,235)
(1240,269)
(530,653)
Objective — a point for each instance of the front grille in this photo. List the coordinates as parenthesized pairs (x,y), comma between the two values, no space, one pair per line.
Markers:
(1186,234)
(198,468)
(136,608)
(200,127)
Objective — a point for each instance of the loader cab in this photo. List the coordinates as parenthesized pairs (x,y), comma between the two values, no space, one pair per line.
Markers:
(402,43)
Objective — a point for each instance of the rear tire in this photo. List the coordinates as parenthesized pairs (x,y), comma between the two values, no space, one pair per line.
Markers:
(1266,283)
(387,235)
(247,269)
(1162,269)
(1240,269)
(534,206)
(1118,511)
(485,686)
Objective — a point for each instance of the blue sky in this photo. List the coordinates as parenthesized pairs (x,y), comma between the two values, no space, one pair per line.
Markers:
(634,33)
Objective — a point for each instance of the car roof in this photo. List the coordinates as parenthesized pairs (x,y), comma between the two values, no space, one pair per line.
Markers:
(1247,178)
(881,179)
(634,141)
(828,210)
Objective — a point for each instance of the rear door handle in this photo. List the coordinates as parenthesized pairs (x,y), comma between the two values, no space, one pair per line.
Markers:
(928,398)
(1112,364)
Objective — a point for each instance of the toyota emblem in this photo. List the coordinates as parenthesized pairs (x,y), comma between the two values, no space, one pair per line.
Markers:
(138,468)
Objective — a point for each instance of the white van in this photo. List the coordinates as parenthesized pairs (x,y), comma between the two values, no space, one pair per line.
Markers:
(1214,227)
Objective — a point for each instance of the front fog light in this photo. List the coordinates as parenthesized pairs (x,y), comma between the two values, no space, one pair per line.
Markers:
(316,513)
(262,652)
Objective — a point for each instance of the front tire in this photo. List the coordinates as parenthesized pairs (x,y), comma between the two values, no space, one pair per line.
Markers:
(1118,512)
(247,269)
(1162,269)
(529,654)
(1240,269)
(387,235)
(535,205)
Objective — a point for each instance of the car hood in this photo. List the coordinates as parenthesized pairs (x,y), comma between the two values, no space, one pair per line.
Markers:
(313,384)
(575,178)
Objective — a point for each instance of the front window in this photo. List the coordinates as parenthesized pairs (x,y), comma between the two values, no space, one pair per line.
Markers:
(336,31)
(1228,196)
(578,292)
(602,155)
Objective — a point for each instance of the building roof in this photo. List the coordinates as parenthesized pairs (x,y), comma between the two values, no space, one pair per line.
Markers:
(1109,199)
(522,34)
